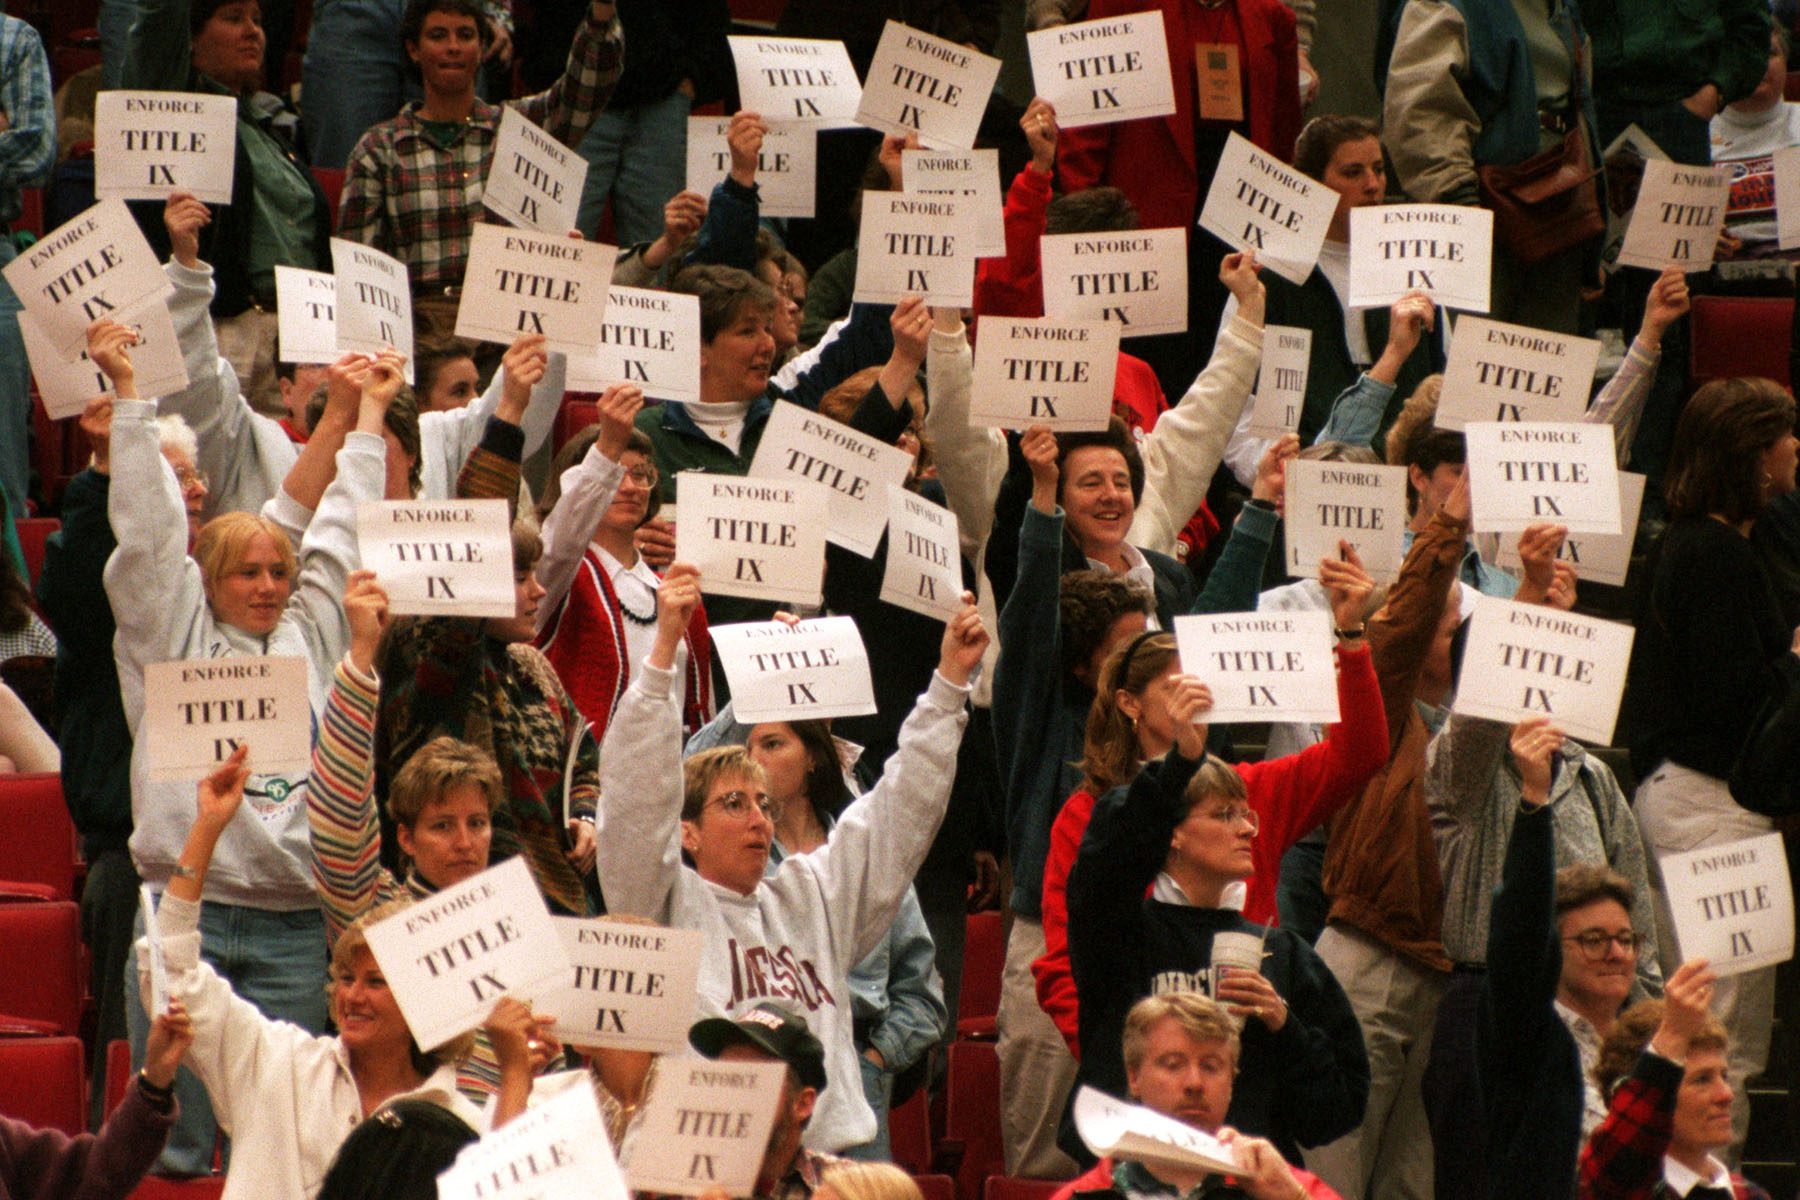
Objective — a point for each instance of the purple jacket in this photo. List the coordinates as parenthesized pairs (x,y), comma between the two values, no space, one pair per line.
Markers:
(47,1164)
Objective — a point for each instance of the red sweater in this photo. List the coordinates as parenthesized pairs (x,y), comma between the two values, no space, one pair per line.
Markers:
(1099,1179)
(1292,796)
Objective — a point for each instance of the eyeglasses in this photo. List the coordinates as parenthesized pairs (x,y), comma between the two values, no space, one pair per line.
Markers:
(737,806)
(644,475)
(188,477)
(1232,815)
(1594,943)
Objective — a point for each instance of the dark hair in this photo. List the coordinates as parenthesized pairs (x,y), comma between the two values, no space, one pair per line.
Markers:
(576,448)
(1631,1035)
(401,420)
(1116,436)
(1581,884)
(724,293)
(1088,604)
(15,596)
(826,790)
(397,1153)
(1721,435)
(201,11)
(412,23)
(1320,138)
(1091,210)
(430,357)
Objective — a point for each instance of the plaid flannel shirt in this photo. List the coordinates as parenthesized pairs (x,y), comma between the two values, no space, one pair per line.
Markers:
(418,199)
(28,144)
(1624,1158)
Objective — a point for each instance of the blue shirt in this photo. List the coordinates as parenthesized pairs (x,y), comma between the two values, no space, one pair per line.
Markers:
(28,145)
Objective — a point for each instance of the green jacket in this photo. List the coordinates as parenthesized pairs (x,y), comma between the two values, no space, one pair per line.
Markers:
(1650,52)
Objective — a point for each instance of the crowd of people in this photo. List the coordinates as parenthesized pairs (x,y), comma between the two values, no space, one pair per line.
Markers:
(1465,979)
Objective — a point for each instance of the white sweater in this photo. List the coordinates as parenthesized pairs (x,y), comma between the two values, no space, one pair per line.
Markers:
(285,1097)
(796,937)
(264,858)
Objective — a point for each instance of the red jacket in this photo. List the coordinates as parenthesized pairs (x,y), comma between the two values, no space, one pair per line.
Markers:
(1152,160)
(1099,1179)
(1292,796)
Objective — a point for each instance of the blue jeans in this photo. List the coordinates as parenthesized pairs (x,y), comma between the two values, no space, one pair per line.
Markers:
(276,961)
(878,1089)
(114,21)
(354,75)
(15,395)
(638,156)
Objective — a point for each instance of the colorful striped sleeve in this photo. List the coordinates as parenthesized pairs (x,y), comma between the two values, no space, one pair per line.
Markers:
(340,804)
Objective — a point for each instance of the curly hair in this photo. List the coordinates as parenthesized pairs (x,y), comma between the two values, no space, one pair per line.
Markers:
(1089,604)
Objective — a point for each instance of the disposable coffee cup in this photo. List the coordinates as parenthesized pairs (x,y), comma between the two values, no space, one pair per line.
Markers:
(1236,952)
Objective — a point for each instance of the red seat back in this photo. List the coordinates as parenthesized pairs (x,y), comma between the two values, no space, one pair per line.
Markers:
(41,1082)
(331,182)
(118,1072)
(39,842)
(33,532)
(1005,1187)
(48,937)
(972,1114)
(984,957)
(909,1135)
(936,1187)
(1741,335)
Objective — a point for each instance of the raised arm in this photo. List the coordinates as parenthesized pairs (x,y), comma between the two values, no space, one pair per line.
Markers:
(1013,286)
(641,789)
(1355,416)
(728,234)
(446,439)
(588,489)
(1402,630)
(1621,402)
(1183,450)
(596,58)
(1523,956)
(1027,673)
(971,460)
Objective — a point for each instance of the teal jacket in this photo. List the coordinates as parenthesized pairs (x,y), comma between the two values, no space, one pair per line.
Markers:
(1649,52)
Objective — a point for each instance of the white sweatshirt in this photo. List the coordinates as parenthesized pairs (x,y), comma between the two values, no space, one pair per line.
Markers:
(286,1098)
(246,455)
(264,858)
(796,937)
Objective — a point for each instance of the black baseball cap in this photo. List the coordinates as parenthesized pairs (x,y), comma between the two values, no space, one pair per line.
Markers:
(770,1028)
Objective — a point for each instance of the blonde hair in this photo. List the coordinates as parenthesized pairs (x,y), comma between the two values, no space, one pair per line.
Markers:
(700,771)
(1419,412)
(1200,1017)
(225,539)
(435,768)
(870,1181)
(354,941)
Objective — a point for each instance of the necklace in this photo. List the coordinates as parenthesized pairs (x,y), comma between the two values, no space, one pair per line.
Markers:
(637,619)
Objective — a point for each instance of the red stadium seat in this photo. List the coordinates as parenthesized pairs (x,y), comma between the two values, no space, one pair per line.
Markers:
(331,182)
(578,411)
(1741,335)
(909,1135)
(972,1115)
(41,1083)
(48,937)
(1005,1187)
(936,1187)
(984,956)
(39,844)
(205,1188)
(33,531)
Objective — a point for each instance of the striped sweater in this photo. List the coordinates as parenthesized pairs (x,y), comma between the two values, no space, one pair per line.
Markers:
(346,838)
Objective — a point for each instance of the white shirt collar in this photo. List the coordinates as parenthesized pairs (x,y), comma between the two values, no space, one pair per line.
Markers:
(1168,891)
(1681,1180)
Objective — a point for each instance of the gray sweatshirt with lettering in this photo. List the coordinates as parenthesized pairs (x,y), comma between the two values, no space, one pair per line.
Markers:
(264,858)
(796,937)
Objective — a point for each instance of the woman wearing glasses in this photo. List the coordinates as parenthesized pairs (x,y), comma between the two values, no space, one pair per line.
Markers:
(1187,833)
(597,619)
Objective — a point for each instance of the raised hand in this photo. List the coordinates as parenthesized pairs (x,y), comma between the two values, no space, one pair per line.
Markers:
(619,406)
(1347,585)
(96,422)
(1666,304)
(965,640)
(171,1033)
(184,217)
(1538,547)
(220,793)
(386,378)
(892,146)
(1270,485)
(1687,997)
(1187,701)
(522,368)
(1039,125)
(1238,273)
(1535,743)
(109,348)
(366,609)
(911,323)
(1039,448)
(676,601)
(744,138)
(1248,994)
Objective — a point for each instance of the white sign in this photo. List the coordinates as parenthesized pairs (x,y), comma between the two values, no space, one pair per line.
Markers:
(96,264)
(159,961)
(632,987)
(705,1127)
(1599,557)
(1733,904)
(554,1150)
(756,538)
(816,669)
(1262,666)
(1137,278)
(1360,503)
(440,558)
(1281,384)
(924,557)
(150,145)
(66,385)
(450,956)
(535,181)
(1522,474)
(1787,197)
(915,245)
(798,443)
(1114,1129)
(1034,371)
(524,282)
(1500,372)
(1677,218)
(1444,250)
(1528,660)
(306,316)
(374,301)
(1257,202)
(198,710)
(808,80)
(785,167)
(973,176)
(1098,72)
(923,84)
(650,338)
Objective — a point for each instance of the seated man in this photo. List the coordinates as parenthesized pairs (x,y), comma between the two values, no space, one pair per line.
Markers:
(796,933)
(1181,1060)
(769,1033)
